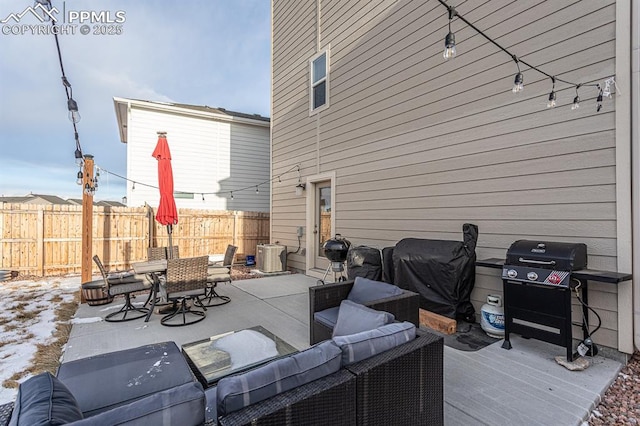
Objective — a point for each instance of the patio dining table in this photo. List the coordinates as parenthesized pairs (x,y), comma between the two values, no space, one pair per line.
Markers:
(154,269)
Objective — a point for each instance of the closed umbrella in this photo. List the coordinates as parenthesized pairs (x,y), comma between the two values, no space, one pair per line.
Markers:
(167,213)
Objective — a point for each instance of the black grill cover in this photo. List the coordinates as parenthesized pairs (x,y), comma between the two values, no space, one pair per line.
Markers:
(387,265)
(365,262)
(441,271)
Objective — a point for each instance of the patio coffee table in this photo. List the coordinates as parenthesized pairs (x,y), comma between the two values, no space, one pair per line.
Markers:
(228,353)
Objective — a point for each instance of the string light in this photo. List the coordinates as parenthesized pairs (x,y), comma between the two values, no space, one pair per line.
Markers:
(518,86)
(552,96)
(576,100)
(219,193)
(450,39)
(79,180)
(518,82)
(599,99)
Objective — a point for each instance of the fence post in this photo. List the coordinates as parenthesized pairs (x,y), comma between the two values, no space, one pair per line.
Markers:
(40,241)
(235,228)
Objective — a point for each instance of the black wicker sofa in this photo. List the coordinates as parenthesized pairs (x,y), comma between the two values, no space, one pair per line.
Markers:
(401,386)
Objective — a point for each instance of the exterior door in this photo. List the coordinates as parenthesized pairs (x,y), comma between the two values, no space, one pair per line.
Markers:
(322,228)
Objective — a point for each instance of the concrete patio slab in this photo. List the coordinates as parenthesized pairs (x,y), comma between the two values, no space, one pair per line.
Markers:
(491,386)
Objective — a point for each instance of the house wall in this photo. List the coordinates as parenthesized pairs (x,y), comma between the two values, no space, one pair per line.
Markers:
(421,146)
(207,156)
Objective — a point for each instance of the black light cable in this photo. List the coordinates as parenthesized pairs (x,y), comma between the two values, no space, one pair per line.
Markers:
(452,12)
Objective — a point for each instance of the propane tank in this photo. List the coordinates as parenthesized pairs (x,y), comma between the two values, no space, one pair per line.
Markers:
(492,317)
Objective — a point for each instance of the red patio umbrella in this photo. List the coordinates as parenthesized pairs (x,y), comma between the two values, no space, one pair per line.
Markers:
(167,212)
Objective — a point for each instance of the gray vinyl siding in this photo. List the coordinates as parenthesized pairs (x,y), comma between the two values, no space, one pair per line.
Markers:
(421,146)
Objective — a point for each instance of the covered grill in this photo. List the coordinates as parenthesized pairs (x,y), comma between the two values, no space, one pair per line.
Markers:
(537,290)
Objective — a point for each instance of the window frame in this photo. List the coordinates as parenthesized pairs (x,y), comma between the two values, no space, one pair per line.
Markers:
(325,79)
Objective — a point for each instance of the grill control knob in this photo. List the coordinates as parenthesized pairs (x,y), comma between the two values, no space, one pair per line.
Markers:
(512,273)
(532,276)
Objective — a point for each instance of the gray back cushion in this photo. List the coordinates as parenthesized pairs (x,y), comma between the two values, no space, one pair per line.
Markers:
(354,318)
(43,400)
(365,290)
(236,392)
(359,346)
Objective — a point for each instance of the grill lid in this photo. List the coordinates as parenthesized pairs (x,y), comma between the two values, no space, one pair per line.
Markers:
(548,255)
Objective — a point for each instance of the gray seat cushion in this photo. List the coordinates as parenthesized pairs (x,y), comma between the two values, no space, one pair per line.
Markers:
(105,381)
(359,346)
(328,317)
(354,318)
(278,376)
(365,290)
(183,405)
(118,278)
(44,400)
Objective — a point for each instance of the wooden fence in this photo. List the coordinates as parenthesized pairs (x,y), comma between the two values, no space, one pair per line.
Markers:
(46,240)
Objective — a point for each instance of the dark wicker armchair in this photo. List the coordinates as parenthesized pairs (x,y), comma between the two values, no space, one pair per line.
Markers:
(404,307)
(219,272)
(161,253)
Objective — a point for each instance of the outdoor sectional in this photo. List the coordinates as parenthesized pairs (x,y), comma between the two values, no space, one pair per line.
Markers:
(392,374)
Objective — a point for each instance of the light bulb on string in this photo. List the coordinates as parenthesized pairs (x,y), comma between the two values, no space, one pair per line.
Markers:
(78,156)
(518,82)
(257,190)
(576,100)
(74,115)
(202,197)
(599,99)
(551,103)
(79,178)
(450,39)
(232,195)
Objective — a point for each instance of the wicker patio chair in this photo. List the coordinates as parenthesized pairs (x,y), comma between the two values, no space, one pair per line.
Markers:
(125,284)
(219,273)
(186,280)
(161,253)
(405,307)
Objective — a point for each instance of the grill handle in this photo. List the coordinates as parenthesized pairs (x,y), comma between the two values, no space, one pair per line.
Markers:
(537,262)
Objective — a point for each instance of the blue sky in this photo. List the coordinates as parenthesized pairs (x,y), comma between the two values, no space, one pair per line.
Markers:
(202,52)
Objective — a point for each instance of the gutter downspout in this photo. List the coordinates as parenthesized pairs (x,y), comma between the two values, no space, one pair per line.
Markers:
(635,165)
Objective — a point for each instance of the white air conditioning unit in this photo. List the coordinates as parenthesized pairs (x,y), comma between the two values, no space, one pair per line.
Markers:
(271,258)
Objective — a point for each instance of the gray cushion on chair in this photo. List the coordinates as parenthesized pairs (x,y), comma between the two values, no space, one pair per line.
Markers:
(328,317)
(117,278)
(182,405)
(359,346)
(365,290)
(278,376)
(102,382)
(354,318)
(43,400)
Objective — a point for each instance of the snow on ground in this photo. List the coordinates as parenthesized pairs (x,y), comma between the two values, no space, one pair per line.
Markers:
(20,333)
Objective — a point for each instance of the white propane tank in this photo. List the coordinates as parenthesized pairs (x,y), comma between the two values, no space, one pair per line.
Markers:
(492,317)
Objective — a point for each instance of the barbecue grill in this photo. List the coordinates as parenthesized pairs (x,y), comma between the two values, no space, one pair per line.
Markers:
(538,278)
(336,249)
(537,290)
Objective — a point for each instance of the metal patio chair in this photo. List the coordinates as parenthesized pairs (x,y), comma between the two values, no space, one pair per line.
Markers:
(219,272)
(123,283)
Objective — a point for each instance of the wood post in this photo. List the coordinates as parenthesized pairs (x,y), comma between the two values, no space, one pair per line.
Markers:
(87,220)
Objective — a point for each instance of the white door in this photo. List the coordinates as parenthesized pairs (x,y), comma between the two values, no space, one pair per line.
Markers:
(320,220)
